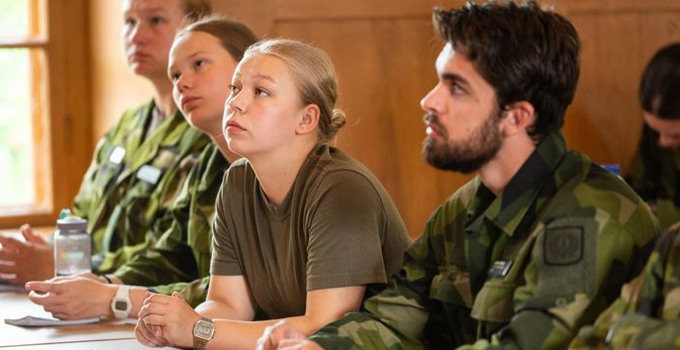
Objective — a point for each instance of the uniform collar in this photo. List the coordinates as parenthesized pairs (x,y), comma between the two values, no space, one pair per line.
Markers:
(511,207)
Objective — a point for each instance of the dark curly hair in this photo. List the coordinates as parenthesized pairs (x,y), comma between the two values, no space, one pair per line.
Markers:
(524,52)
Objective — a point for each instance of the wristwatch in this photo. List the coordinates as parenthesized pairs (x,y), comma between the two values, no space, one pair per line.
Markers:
(204,330)
(121,305)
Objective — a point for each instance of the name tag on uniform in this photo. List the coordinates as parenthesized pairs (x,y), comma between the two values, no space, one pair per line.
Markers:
(149,174)
(117,155)
(500,268)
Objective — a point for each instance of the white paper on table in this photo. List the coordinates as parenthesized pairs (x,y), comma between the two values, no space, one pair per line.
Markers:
(32,321)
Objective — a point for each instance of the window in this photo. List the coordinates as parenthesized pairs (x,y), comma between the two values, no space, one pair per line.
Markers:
(22,85)
(42,64)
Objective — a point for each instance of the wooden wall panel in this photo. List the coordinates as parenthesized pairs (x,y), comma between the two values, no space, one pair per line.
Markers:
(604,107)
(617,42)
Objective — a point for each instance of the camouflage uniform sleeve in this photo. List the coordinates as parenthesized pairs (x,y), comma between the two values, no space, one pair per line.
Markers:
(394,319)
(632,322)
(169,260)
(194,292)
(179,260)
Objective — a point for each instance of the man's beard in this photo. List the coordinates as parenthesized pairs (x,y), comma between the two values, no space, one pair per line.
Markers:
(468,155)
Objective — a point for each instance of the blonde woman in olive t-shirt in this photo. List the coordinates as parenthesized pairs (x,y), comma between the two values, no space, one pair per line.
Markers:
(301,229)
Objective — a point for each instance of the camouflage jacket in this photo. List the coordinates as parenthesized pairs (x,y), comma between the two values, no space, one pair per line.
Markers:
(180,259)
(521,270)
(647,314)
(655,175)
(131,182)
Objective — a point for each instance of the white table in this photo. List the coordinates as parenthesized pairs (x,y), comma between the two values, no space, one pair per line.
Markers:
(108,334)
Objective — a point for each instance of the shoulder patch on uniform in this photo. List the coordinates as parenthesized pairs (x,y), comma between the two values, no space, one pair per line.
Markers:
(563,245)
(566,259)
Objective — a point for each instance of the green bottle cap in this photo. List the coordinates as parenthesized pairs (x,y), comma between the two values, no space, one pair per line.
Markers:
(65,213)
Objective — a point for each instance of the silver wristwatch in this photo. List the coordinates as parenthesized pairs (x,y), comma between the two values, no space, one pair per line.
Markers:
(204,330)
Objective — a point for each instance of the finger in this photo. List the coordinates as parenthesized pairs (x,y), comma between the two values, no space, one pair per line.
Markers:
(144,337)
(30,235)
(260,345)
(43,287)
(159,299)
(60,278)
(157,331)
(45,300)
(8,269)
(156,309)
(37,298)
(148,298)
(155,320)
(11,243)
(283,330)
(10,278)
(8,254)
(153,336)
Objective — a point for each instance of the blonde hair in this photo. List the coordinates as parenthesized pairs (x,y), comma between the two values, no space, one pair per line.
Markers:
(314,76)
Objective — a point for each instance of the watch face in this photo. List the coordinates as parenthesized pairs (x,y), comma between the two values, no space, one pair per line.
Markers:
(121,305)
(204,329)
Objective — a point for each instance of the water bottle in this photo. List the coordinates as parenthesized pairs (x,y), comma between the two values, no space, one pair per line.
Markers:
(72,245)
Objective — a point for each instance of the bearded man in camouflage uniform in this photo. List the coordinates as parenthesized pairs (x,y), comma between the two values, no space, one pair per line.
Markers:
(537,244)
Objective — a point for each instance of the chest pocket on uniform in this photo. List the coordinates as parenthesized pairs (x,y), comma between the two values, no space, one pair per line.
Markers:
(495,301)
(107,173)
(452,285)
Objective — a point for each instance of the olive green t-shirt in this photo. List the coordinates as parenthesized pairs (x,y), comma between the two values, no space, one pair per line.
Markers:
(336,227)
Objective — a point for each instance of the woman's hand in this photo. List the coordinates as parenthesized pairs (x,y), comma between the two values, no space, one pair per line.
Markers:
(166,320)
(283,336)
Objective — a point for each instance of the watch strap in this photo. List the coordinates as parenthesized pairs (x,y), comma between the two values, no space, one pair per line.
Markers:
(200,340)
(121,305)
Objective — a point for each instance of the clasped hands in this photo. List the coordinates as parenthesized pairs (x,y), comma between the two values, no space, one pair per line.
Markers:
(166,321)
(169,321)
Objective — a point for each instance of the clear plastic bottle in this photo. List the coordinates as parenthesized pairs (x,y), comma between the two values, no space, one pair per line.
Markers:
(72,245)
